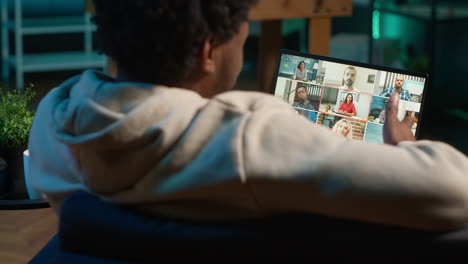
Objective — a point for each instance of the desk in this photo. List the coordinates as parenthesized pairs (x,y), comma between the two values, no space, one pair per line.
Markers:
(271,12)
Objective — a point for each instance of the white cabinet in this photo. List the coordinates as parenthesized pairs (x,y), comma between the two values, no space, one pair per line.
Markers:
(22,26)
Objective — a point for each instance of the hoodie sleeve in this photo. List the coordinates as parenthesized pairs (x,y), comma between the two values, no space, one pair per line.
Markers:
(292,164)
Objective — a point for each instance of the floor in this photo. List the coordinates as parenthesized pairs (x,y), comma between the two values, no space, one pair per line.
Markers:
(24,232)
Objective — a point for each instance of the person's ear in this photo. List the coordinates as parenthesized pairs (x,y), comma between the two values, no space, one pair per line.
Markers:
(207,56)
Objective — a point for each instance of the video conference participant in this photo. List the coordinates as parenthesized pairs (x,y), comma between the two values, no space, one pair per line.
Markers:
(300,72)
(343,127)
(347,107)
(301,99)
(398,87)
(349,77)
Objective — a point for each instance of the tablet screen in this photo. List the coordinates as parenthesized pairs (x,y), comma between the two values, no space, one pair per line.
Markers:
(348,97)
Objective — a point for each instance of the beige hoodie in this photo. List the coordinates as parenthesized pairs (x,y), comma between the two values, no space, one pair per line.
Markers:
(237,155)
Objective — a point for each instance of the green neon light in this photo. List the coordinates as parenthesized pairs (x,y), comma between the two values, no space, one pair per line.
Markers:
(376,24)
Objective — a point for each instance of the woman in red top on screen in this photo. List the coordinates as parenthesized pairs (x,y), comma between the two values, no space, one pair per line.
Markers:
(347,107)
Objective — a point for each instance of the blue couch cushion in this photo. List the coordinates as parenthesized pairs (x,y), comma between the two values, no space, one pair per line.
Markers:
(94,230)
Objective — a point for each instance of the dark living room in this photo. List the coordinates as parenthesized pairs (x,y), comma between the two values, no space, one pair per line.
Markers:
(46,42)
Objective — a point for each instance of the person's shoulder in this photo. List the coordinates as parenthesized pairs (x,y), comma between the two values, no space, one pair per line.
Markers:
(308,105)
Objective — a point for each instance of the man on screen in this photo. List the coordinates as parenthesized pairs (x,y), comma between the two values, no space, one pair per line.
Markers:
(398,87)
(301,99)
(349,77)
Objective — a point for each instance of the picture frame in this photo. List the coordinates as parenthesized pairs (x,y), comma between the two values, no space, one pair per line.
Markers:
(371,78)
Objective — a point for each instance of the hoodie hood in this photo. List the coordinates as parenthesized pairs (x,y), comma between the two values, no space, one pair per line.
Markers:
(119,129)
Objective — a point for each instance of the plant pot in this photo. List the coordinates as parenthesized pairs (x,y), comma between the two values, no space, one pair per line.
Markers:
(4,179)
(16,186)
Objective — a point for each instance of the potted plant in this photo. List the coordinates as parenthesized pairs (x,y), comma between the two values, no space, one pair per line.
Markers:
(15,125)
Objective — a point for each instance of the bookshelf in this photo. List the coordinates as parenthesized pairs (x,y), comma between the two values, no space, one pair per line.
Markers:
(21,26)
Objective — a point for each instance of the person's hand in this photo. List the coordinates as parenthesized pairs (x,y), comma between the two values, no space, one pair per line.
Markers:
(394,130)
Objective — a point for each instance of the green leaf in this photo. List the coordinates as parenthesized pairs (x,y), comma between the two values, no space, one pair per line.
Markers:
(15,117)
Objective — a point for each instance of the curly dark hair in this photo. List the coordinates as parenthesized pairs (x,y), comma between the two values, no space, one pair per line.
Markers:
(157,41)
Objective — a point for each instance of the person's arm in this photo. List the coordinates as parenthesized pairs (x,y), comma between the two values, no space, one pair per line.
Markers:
(408,96)
(353,110)
(293,165)
(385,93)
(304,74)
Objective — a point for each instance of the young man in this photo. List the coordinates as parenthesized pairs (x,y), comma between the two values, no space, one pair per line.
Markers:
(349,77)
(199,153)
(300,99)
